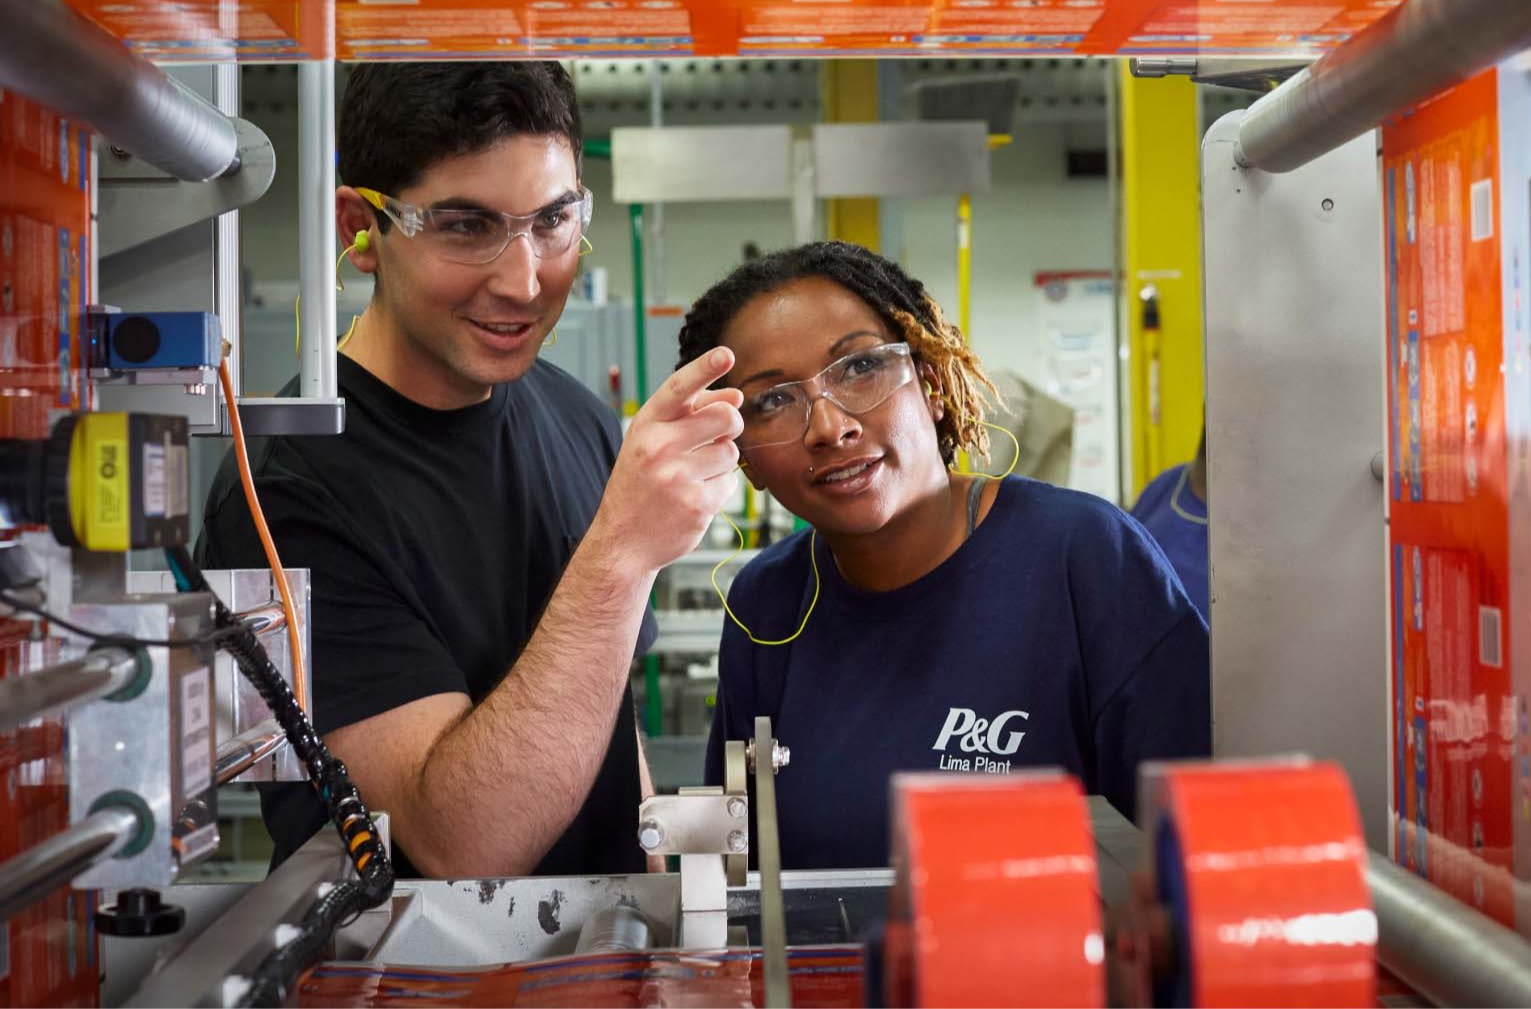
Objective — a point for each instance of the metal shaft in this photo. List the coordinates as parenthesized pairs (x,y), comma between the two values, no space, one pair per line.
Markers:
(1416,51)
(1442,948)
(244,751)
(619,929)
(73,66)
(264,619)
(58,688)
(316,229)
(45,867)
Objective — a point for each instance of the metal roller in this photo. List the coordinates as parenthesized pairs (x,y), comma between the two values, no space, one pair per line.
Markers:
(1419,50)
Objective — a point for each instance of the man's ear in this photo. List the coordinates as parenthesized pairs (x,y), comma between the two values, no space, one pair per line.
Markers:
(353,223)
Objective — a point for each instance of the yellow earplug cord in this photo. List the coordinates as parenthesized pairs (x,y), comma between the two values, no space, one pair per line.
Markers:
(813,556)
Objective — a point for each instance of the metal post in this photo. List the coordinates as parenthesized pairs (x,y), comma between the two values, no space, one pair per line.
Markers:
(228,279)
(244,751)
(1449,953)
(316,228)
(66,685)
(653,704)
(656,212)
(1418,50)
(81,71)
(43,868)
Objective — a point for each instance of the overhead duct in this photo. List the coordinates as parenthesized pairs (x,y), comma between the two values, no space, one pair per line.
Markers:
(57,57)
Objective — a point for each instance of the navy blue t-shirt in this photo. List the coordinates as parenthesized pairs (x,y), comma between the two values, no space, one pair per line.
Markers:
(1057,635)
(1177,519)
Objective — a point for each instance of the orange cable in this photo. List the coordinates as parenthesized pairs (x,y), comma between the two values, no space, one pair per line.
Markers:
(242,456)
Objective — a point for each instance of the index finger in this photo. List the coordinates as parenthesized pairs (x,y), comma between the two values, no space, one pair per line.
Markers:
(676,398)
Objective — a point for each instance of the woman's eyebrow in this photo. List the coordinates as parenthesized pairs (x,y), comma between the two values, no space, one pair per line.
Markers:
(834,351)
(769,373)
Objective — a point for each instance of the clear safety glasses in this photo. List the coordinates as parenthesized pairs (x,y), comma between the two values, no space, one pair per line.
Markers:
(856,383)
(475,236)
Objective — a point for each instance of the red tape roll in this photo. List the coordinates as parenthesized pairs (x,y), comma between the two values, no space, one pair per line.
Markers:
(996,876)
(1276,910)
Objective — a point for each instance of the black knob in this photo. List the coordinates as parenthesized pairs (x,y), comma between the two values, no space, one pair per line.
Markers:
(139,913)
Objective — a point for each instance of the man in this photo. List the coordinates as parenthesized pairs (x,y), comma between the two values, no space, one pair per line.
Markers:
(477,596)
(1173,508)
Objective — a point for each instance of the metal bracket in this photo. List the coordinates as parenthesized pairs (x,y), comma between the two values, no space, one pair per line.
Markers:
(1259,75)
(291,415)
(138,202)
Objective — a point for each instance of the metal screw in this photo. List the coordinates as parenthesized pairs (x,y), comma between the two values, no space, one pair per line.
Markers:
(738,842)
(1328,204)
(737,807)
(781,756)
(650,834)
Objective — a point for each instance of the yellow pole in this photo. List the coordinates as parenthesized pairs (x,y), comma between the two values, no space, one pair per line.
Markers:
(965,265)
(965,289)
(1161,231)
(850,96)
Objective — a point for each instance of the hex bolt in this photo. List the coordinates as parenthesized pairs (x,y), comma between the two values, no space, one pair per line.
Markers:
(650,834)
(781,756)
(738,842)
(737,807)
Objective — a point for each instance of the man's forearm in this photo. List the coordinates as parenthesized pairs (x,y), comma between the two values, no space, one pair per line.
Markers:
(501,785)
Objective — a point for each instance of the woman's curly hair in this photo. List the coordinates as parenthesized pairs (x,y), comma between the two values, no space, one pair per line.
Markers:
(901,301)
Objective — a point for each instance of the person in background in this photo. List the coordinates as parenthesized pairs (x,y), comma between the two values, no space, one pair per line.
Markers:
(929,620)
(1174,509)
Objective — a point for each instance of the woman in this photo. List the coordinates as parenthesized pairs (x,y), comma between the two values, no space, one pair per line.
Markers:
(947,622)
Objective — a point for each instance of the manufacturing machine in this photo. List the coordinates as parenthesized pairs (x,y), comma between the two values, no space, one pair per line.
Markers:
(1390,866)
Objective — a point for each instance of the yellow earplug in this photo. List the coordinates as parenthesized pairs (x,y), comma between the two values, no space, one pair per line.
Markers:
(363,241)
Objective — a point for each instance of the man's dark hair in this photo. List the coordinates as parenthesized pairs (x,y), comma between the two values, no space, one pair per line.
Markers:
(399,119)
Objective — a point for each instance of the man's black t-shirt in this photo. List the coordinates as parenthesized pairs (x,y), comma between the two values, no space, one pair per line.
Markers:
(435,539)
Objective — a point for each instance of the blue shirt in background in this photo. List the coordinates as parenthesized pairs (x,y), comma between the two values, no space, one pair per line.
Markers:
(1057,635)
(1178,521)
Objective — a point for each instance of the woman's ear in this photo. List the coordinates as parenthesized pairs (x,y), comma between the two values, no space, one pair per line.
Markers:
(930,384)
(749,474)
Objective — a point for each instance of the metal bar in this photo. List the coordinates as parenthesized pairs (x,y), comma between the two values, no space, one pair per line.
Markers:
(264,619)
(773,915)
(209,968)
(1449,953)
(228,282)
(45,867)
(1351,90)
(244,751)
(316,229)
(79,70)
(66,685)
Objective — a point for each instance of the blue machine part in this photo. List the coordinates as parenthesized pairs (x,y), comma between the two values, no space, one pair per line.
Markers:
(159,340)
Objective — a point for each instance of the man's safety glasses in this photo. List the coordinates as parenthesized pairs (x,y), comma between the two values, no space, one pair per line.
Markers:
(856,383)
(477,236)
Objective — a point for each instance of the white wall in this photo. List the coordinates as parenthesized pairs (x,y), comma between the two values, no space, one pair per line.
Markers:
(1034,218)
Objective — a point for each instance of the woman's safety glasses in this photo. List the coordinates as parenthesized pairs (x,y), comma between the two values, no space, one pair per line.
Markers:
(476,236)
(856,383)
